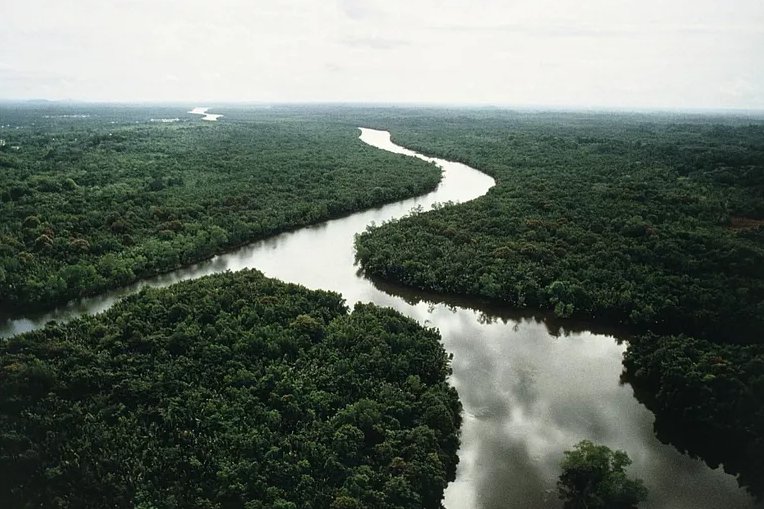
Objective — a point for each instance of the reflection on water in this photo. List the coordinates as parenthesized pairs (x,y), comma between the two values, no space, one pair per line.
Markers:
(529,395)
(531,386)
(491,312)
(701,438)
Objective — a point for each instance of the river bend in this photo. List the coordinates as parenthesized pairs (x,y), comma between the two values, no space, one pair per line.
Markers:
(529,389)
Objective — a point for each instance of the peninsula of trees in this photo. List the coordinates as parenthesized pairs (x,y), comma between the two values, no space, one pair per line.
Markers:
(655,223)
(89,204)
(229,391)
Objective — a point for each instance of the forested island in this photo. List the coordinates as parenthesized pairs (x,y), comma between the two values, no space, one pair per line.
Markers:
(95,200)
(233,390)
(651,222)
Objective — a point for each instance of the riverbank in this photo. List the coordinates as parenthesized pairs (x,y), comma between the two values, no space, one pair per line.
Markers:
(529,391)
(601,218)
(156,197)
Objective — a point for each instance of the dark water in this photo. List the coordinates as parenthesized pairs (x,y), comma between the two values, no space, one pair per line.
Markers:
(530,388)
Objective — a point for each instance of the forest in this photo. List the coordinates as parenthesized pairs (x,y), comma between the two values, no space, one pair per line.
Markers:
(708,400)
(99,199)
(233,390)
(648,222)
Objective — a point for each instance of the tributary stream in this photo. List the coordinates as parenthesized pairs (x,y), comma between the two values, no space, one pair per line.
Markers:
(530,388)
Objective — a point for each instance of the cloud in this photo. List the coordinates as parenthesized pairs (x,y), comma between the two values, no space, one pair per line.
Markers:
(738,88)
(623,31)
(358,9)
(373,42)
(506,52)
(12,75)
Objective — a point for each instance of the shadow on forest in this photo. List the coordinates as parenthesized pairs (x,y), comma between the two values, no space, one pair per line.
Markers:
(701,438)
(492,312)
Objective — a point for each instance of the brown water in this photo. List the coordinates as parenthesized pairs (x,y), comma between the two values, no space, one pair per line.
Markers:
(529,388)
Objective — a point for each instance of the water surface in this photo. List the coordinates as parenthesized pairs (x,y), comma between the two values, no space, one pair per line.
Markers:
(529,388)
(206,116)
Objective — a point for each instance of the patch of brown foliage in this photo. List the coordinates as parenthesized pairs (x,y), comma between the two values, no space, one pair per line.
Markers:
(741,223)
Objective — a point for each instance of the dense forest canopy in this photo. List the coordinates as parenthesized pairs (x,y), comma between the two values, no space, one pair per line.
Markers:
(655,222)
(650,221)
(646,224)
(95,197)
(233,390)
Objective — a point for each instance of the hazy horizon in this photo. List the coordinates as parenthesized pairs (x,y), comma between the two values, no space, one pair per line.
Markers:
(649,55)
(540,108)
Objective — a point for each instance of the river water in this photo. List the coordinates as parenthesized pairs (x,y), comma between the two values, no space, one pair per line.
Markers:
(530,389)
(206,116)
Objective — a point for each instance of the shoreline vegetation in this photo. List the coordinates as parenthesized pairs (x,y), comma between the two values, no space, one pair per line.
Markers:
(232,390)
(652,223)
(91,207)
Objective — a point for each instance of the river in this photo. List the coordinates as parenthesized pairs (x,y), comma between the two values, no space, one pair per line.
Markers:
(529,388)
(212,117)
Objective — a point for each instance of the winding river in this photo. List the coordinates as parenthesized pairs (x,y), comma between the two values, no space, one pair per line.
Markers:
(530,389)
(212,117)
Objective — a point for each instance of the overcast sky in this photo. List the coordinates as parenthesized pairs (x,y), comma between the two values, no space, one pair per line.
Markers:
(613,53)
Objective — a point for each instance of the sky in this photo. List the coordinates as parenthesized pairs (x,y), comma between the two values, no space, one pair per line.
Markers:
(676,54)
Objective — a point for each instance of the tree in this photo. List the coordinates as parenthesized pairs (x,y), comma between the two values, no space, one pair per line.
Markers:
(594,477)
(332,426)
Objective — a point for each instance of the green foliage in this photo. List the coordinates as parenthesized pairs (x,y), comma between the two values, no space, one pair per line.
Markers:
(233,390)
(651,221)
(151,197)
(623,220)
(594,477)
(708,400)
